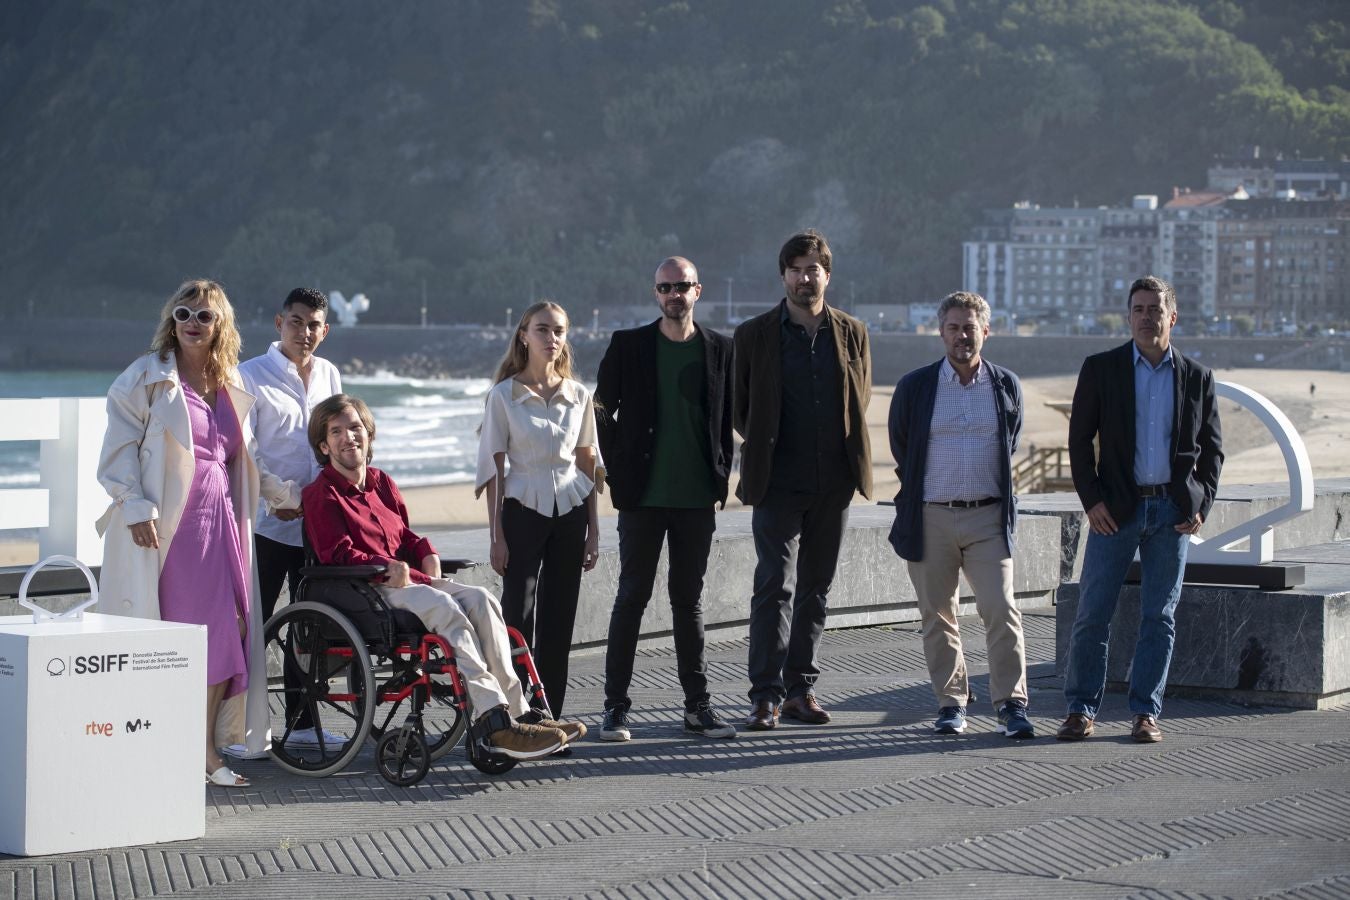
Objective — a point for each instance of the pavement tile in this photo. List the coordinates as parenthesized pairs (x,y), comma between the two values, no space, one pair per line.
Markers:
(1236,802)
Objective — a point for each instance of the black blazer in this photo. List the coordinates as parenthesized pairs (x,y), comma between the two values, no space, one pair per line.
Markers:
(625,414)
(1103,408)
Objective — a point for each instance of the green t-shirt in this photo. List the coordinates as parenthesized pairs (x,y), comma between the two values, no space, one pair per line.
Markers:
(681,474)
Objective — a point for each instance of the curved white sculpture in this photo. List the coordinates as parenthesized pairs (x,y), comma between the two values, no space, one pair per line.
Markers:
(1257,532)
(348,311)
(41,613)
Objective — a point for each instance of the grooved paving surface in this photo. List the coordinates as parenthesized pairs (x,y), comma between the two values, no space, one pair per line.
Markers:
(1236,802)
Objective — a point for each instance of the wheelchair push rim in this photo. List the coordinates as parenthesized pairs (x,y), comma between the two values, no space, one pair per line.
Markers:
(324,670)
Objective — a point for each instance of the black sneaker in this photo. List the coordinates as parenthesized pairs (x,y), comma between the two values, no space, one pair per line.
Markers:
(614,727)
(704,720)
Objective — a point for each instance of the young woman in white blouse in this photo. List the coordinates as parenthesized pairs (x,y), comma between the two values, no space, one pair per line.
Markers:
(538,461)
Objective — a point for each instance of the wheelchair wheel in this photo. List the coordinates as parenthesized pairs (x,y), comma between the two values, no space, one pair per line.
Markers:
(443,723)
(319,665)
(401,756)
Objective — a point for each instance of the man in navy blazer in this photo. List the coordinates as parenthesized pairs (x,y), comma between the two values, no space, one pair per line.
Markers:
(663,416)
(954,427)
(1153,414)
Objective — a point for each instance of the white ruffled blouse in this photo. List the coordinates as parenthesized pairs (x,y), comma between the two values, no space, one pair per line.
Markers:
(540,440)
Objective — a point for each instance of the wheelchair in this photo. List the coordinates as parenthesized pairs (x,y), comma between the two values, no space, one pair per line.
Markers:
(343,653)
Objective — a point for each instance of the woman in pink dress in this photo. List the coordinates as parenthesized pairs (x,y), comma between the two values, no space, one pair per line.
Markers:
(177,462)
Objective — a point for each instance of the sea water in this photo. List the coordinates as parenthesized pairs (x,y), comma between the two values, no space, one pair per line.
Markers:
(426,429)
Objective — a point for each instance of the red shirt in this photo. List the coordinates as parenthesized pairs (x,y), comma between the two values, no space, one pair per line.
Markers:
(352,526)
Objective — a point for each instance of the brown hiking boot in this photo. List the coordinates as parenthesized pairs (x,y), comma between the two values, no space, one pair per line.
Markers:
(520,741)
(573,731)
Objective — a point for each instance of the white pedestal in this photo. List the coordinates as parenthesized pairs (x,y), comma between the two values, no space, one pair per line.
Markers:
(103,736)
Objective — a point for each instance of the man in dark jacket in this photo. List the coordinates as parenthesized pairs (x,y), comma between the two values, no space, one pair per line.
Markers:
(803,381)
(954,427)
(663,413)
(1148,489)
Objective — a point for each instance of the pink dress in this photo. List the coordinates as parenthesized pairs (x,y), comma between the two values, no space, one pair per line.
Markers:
(203,580)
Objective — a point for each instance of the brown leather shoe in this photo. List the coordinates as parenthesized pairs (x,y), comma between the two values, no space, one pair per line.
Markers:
(1076,727)
(1146,730)
(763,717)
(806,709)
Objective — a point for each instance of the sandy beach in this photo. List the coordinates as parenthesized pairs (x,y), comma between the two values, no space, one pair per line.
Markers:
(1321,417)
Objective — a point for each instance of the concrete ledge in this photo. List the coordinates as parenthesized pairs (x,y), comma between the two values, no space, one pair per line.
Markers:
(1329,520)
(871,586)
(1286,648)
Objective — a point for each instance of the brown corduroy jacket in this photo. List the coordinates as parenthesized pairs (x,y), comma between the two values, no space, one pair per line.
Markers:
(757,397)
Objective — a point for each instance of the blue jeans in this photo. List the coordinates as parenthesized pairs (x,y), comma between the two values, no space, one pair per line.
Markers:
(1162,560)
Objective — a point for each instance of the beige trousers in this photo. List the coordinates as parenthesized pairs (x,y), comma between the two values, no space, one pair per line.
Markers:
(470,619)
(969,540)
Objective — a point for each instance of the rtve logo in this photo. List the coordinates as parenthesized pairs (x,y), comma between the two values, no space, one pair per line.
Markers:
(105,729)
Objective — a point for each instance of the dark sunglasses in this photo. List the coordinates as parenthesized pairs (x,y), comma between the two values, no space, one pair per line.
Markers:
(204,316)
(679,287)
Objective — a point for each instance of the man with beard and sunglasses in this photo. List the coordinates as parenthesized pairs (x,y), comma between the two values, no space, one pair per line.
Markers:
(803,382)
(663,414)
(954,426)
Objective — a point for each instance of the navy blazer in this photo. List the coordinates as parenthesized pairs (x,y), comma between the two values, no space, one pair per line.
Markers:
(909,423)
(1103,409)
(625,413)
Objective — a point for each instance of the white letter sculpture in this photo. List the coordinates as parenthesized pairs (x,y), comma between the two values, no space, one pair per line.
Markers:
(1257,532)
(348,310)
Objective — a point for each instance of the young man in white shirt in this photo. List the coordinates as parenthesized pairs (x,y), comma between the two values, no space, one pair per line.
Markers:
(288,382)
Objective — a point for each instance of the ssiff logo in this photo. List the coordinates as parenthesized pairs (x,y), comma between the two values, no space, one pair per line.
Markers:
(56,666)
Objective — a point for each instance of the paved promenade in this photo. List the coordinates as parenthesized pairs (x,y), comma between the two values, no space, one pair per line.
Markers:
(1236,802)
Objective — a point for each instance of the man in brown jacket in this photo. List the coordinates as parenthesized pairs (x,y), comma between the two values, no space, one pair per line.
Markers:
(803,380)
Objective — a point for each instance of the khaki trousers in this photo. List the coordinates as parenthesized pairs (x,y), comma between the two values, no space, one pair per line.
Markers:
(470,619)
(969,540)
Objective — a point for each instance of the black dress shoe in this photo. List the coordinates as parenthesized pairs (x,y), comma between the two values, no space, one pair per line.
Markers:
(806,709)
(763,717)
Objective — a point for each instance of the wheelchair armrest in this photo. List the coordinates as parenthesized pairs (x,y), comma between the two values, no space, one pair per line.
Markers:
(340,573)
(449,566)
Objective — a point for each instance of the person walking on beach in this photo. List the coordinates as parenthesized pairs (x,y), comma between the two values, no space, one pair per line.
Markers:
(1153,413)
(803,379)
(663,399)
(178,536)
(539,464)
(954,427)
(288,381)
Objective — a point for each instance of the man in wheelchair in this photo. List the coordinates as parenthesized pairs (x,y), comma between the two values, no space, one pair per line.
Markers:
(355,515)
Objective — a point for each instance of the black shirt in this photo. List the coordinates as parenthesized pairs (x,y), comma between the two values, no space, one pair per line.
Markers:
(809,455)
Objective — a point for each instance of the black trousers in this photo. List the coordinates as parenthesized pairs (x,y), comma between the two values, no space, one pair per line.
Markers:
(278,563)
(641,534)
(540,589)
(797,540)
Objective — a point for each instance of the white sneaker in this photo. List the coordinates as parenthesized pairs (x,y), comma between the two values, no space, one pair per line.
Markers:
(309,737)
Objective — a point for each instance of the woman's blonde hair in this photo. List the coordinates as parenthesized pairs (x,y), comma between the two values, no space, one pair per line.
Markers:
(517,354)
(225,344)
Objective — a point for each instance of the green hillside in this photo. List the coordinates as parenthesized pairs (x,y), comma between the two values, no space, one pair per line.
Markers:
(498,150)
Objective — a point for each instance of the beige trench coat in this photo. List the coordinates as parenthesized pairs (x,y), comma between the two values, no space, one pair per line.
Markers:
(146,466)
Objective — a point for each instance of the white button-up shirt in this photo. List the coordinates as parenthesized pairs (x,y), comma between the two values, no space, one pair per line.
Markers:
(280,421)
(963,440)
(540,440)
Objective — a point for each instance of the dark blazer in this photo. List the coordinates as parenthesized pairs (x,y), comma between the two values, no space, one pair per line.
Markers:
(1103,408)
(625,414)
(909,423)
(758,397)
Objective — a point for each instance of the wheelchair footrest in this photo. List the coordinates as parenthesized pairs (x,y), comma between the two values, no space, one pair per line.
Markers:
(494,720)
